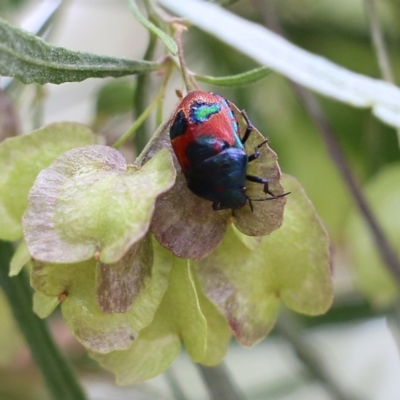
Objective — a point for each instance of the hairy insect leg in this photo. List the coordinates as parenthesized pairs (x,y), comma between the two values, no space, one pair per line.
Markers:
(257,153)
(249,127)
(264,182)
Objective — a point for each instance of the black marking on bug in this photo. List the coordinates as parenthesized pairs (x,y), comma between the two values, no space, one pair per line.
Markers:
(205,147)
(179,126)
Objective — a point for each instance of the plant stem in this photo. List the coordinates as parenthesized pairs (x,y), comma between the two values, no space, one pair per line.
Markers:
(378,41)
(174,385)
(334,150)
(156,102)
(384,248)
(289,327)
(219,384)
(379,45)
(140,96)
(130,132)
(143,156)
(186,79)
(56,370)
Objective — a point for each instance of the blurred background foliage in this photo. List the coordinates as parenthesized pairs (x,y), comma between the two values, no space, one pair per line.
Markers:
(365,291)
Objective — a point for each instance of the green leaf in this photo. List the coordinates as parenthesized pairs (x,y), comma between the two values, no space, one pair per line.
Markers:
(151,353)
(291,265)
(90,202)
(184,314)
(96,330)
(239,80)
(44,305)
(31,59)
(218,332)
(251,242)
(185,311)
(168,41)
(20,258)
(303,67)
(22,158)
(371,276)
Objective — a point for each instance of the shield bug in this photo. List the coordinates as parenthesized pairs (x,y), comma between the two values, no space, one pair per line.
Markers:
(205,136)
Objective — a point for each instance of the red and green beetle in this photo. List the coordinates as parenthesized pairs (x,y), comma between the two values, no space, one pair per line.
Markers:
(205,136)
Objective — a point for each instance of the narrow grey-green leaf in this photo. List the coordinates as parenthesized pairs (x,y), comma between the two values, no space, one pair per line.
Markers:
(238,80)
(31,59)
(168,41)
(303,67)
(224,2)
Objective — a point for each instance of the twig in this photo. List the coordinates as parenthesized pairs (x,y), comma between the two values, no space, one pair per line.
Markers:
(378,41)
(141,95)
(379,45)
(178,36)
(289,327)
(314,110)
(174,385)
(219,384)
(139,121)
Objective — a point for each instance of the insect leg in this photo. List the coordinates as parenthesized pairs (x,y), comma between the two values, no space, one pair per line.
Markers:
(264,182)
(257,153)
(249,127)
(250,203)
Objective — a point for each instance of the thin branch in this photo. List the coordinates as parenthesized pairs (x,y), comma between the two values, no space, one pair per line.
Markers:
(386,252)
(141,96)
(174,385)
(378,41)
(178,37)
(379,45)
(139,121)
(219,383)
(289,327)
(315,112)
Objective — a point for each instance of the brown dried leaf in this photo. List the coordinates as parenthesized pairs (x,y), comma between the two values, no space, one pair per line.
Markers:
(267,215)
(119,284)
(185,223)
